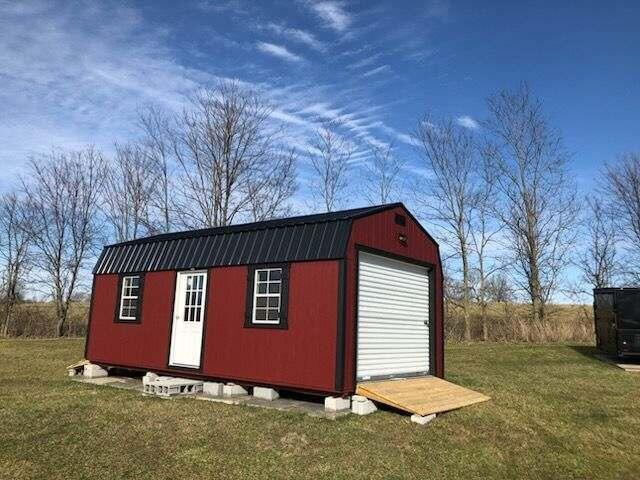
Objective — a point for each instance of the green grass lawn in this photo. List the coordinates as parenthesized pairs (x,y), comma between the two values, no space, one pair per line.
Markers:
(555,412)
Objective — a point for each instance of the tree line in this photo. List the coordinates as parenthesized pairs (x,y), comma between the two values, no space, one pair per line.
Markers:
(500,198)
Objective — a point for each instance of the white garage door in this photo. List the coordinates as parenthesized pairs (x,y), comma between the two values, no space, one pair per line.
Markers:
(393,318)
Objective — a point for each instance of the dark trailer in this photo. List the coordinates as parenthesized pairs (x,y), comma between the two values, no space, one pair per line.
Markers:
(617,321)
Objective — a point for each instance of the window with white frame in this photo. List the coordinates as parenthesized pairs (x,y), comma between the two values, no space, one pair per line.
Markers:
(129,298)
(267,296)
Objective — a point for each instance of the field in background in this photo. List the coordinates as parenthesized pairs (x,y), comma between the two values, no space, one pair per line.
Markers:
(508,322)
(556,412)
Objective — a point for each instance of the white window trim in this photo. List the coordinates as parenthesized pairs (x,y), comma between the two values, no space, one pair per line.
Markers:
(124,297)
(268,295)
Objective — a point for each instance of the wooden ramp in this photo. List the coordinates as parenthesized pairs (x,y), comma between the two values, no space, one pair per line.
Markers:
(421,395)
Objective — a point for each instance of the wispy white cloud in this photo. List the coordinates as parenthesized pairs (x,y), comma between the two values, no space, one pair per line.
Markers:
(333,14)
(366,61)
(438,9)
(408,139)
(468,122)
(278,51)
(297,35)
(376,71)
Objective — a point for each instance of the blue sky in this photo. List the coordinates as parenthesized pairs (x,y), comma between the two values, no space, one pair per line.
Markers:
(74,73)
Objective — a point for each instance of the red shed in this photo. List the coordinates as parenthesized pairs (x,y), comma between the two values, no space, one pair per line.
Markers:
(312,303)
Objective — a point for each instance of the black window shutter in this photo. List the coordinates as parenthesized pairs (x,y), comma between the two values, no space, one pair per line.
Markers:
(140,292)
(248,309)
(284,295)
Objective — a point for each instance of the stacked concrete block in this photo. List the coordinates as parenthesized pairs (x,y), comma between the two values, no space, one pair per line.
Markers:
(422,419)
(336,404)
(212,389)
(94,371)
(265,393)
(233,390)
(170,386)
(362,405)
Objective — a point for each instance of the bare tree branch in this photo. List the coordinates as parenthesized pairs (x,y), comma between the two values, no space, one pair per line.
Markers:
(538,203)
(227,152)
(62,192)
(15,241)
(129,186)
(330,163)
(382,175)
(448,197)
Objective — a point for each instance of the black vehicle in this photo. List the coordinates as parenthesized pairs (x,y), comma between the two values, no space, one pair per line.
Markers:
(617,321)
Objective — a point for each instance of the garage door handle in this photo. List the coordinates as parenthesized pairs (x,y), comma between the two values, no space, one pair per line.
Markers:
(426,322)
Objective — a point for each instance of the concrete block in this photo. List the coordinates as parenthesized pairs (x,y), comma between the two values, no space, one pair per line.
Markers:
(72,372)
(233,390)
(422,420)
(149,377)
(265,393)
(94,371)
(362,406)
(336,404)
(169,386)
(213,389)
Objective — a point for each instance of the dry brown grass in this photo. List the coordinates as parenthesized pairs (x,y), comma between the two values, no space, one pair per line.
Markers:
(508,322)
(37,320)
(511,322)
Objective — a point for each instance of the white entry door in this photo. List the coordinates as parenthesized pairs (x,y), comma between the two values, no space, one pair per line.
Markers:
(188,319)
(393,318)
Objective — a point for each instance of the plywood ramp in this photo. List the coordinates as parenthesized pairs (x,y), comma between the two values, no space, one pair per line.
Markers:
(421,395)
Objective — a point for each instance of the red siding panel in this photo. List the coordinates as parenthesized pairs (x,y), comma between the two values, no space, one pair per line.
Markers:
(141,345)
(301,357)
(379,231)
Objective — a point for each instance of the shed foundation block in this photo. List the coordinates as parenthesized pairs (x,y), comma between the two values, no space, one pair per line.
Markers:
(336,404)
(233,390)
(213,389)
(94,371)
(422,419)
(362,405)
(265,393)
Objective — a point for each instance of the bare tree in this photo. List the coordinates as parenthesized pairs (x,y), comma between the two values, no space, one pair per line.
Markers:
(382,175)
(268,195)
(229,155)
(330,163)
(599,261)
(157,146)
(14,253)
(622,189)
(448,199)
(127,192)
(538,204)
(483,232)
(62,192)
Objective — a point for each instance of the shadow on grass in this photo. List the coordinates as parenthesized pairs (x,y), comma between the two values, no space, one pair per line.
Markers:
(595,354)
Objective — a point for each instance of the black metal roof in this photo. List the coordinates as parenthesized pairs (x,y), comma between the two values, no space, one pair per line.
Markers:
(308,237)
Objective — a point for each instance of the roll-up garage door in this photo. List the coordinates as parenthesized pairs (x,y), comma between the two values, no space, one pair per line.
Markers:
(393,318)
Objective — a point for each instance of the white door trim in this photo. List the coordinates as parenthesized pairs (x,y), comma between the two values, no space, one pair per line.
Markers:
(187,323)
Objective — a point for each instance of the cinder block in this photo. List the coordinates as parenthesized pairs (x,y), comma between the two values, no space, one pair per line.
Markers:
(213,389)
(422,420)
(265,393)
(362,405)
(94,371)
(71,372)
(149,377)
(336,404)
(233,390)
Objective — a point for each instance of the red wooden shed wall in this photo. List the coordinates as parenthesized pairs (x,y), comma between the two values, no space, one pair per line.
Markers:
(379,231)
(302,356)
